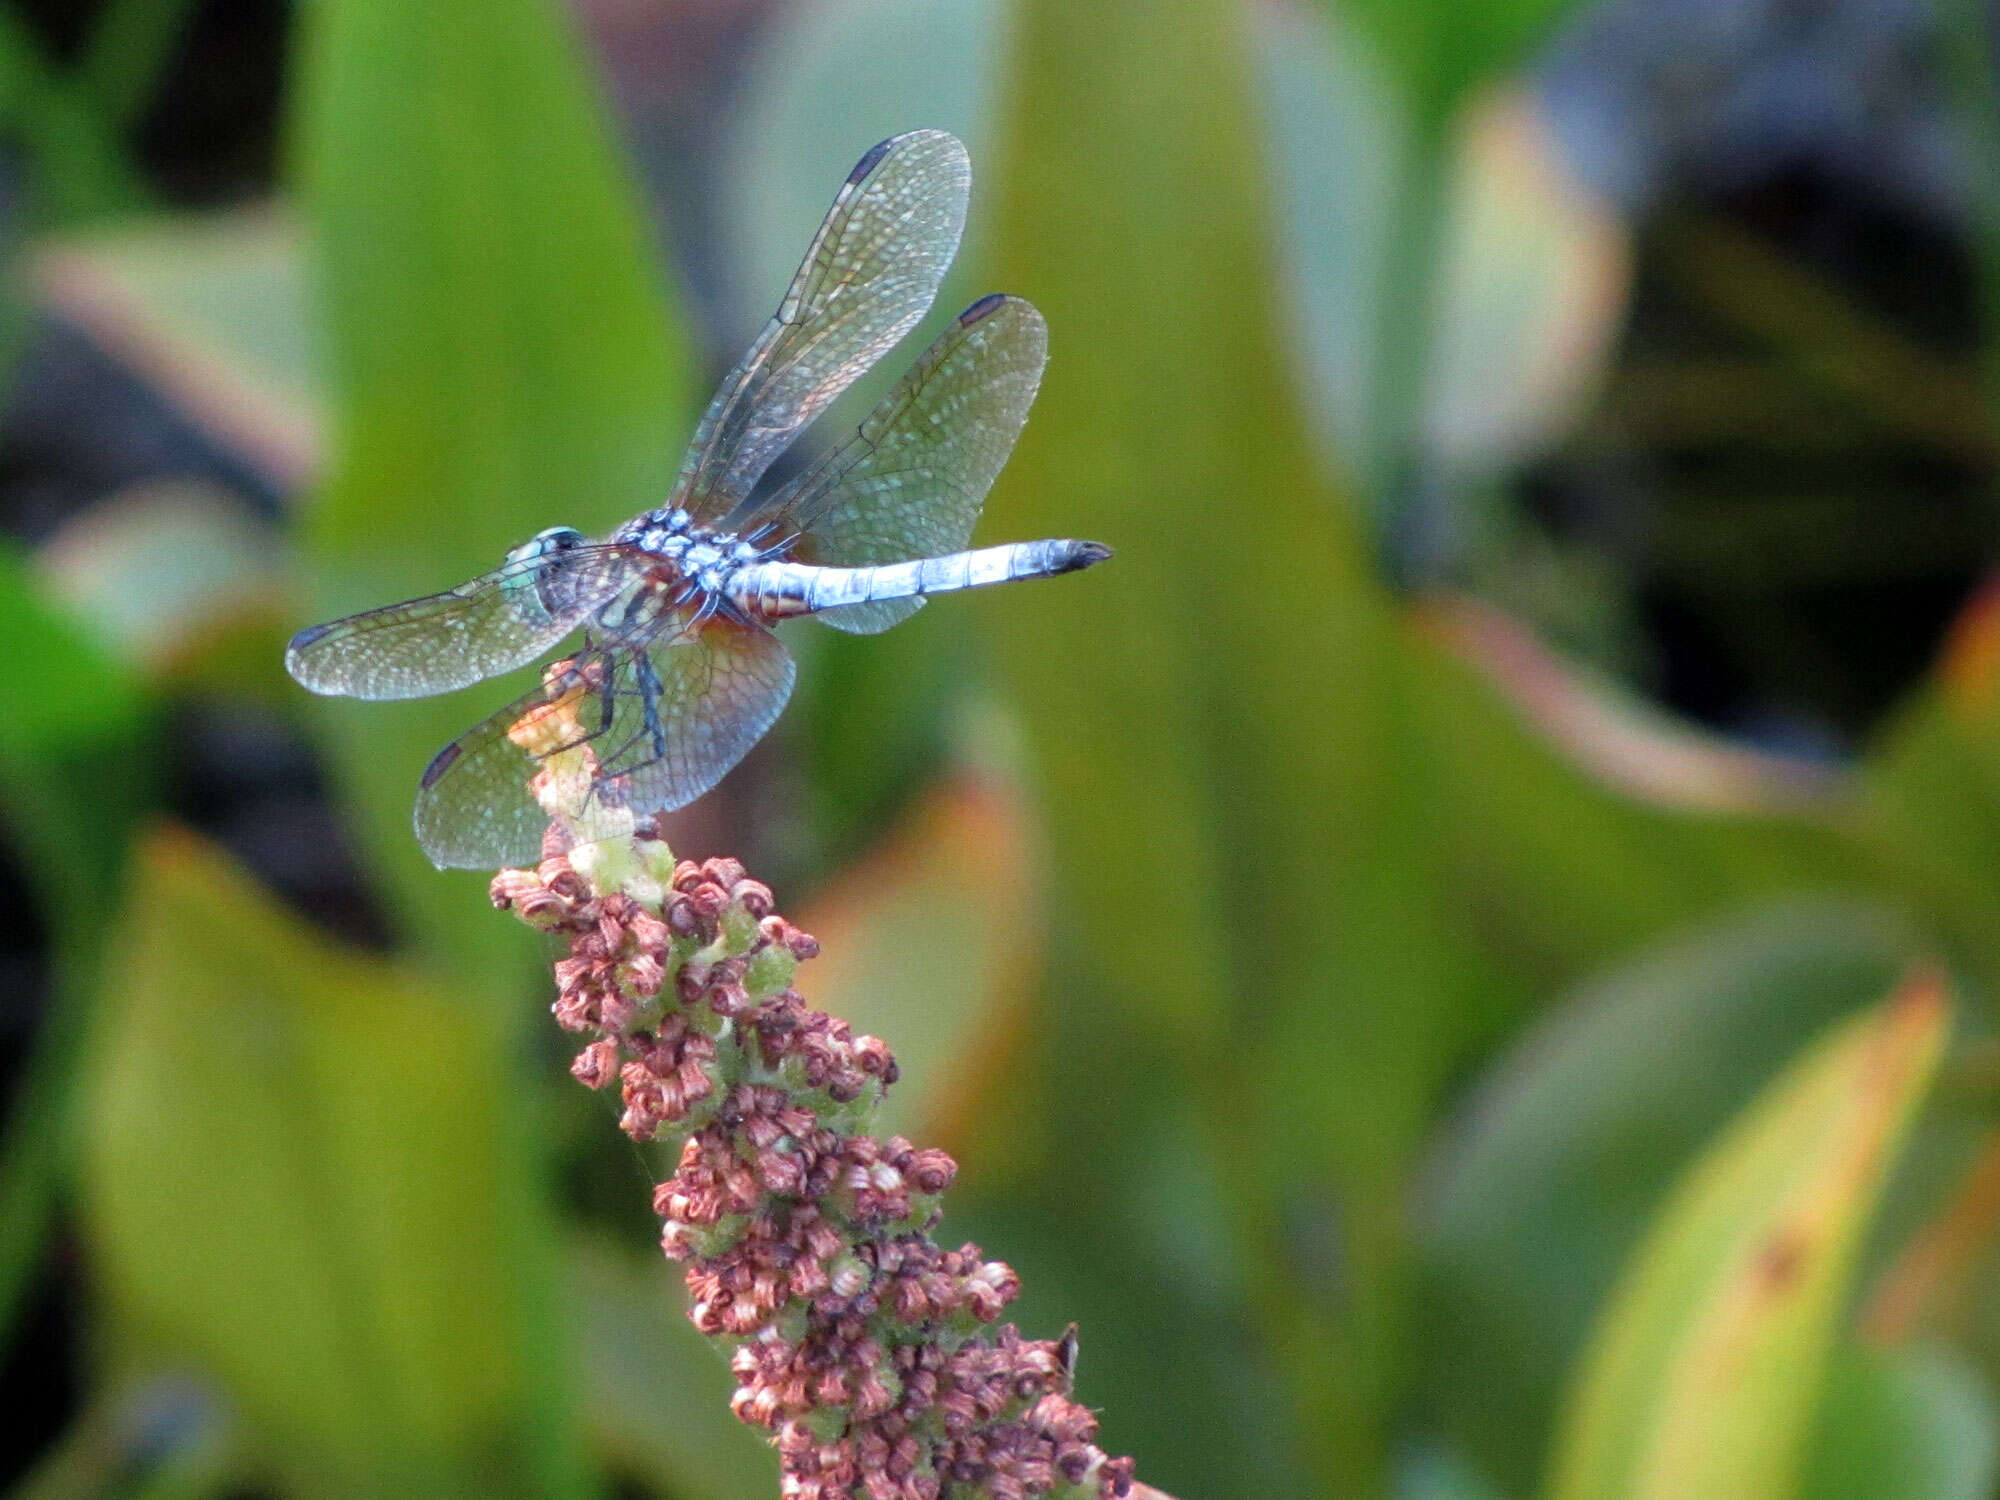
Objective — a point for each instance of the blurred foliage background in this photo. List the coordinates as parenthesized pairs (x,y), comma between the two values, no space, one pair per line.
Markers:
(1464,960)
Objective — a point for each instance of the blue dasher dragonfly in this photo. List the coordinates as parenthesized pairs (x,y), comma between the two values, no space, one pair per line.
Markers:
(679,674)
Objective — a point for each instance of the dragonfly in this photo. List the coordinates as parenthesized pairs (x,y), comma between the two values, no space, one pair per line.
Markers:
(679,674)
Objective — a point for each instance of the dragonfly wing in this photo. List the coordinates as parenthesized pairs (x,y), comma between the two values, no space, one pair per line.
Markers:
(475,809)
(870,274)
(910,482)
(499,621)
(662,725)
(715,690)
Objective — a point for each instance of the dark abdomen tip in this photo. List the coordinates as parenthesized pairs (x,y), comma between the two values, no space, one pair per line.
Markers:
(1084,555)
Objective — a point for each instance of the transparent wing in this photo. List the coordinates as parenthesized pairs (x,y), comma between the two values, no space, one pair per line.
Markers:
(911,481)
(661,725)
(870,274)
(498,621)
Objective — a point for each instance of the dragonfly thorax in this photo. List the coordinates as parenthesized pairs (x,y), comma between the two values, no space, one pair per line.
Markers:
(667,532)
(703,557)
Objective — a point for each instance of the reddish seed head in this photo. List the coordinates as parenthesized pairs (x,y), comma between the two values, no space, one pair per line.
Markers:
(682,920)
(796,1234)
(722,871)
(708,902)
(565,882)
(596,1065)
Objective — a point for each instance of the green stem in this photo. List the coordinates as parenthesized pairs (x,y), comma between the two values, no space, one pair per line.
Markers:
(1404,335)
(1976,87)
(80,170)
(129,48)
(36,1139)
(552,1423)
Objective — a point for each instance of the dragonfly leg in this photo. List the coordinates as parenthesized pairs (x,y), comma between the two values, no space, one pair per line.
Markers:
(648,743)
(649,702)
(607,695)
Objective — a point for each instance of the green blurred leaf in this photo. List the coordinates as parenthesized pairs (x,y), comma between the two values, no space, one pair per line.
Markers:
(658,1391)
(1235,801)
(1584,1125)
(1931,784)
(131,43)
(62,688)
(78,171)
(1914,1423)
(930,940)
(1576,826)
(1705,1368)
(501,355)
(1534,270)
(1577,822)
(142,1436)
(160,570)
(1335,143)
(1432,1473)
(76,769)
(211,311)
(1531,269)
(291,1159)
(1440,52)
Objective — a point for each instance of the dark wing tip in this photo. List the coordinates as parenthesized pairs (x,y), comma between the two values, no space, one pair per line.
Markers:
(871,159)
(984,308)
(299,664)
(440,763)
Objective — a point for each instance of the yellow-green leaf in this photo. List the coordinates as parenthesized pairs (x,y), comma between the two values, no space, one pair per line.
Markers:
(1916,1423)
(930,942)
(291,1164)
(1236,795)
(1540,1195)
(1439,53)
(658,1391)
(211,312)
(1704,1373)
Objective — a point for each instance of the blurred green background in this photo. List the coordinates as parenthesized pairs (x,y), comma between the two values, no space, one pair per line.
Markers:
(1464,959)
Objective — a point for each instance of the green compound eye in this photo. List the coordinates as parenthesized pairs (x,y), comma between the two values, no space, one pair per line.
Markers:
(534,590)
(555,539)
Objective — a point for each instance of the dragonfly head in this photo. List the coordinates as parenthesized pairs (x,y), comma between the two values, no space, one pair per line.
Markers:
(536,591)
(555,539)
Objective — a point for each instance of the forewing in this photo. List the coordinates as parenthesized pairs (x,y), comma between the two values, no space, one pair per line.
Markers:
(498,621)
(661,725)
(871,272)
(910,482)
